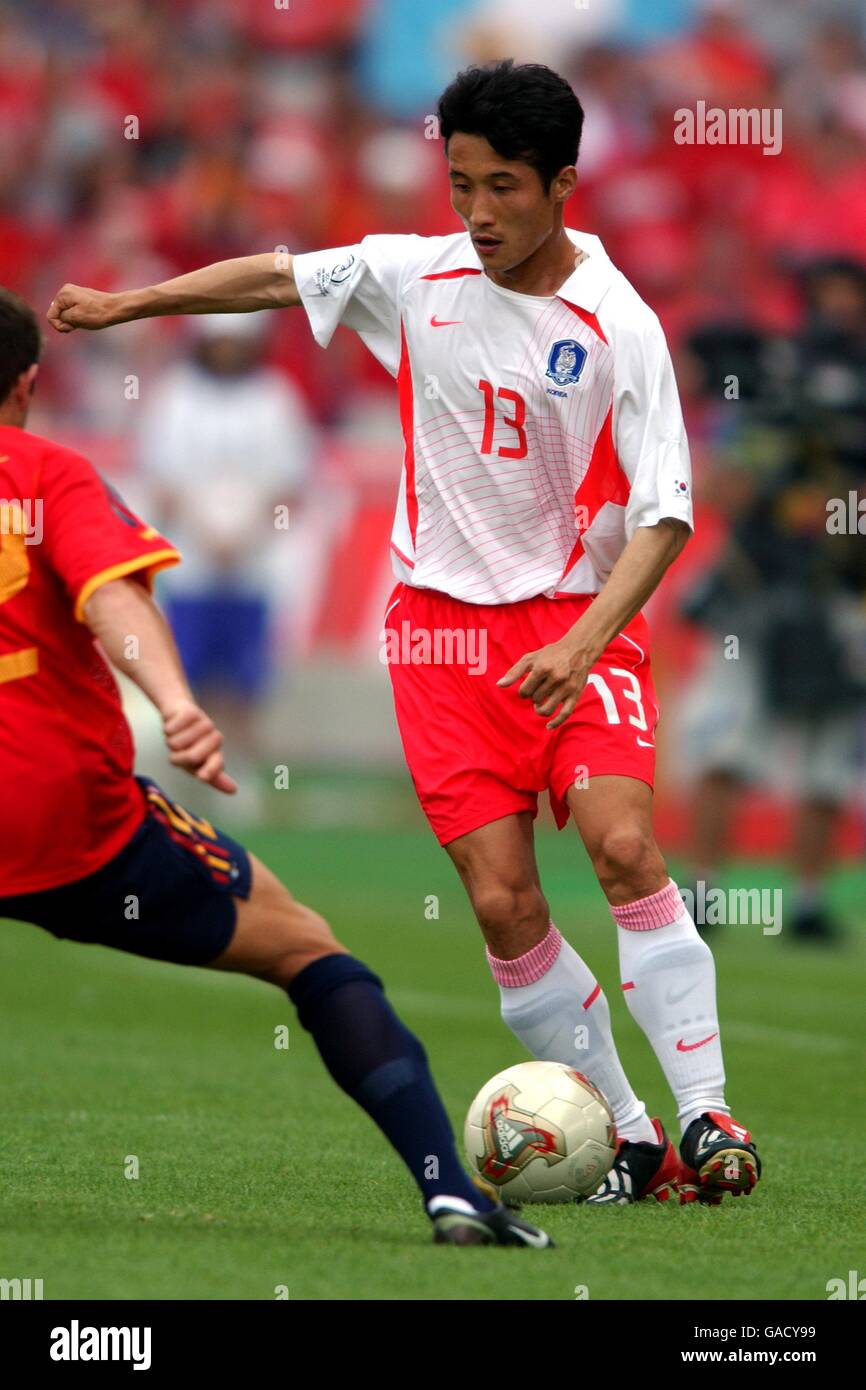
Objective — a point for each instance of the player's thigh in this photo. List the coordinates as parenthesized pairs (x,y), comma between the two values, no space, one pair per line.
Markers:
(183,891)
(499,871)
(275,935)
(613,815)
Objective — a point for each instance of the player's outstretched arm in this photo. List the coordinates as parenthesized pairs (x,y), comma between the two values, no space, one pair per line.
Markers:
(137,640)
(239,286)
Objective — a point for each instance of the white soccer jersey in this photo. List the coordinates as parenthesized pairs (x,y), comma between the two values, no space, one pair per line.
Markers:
(540,432)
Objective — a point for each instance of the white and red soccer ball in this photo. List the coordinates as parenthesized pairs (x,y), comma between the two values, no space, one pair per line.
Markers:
(540,1132)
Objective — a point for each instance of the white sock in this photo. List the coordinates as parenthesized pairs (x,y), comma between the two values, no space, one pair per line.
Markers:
(669,979)
(552,1002)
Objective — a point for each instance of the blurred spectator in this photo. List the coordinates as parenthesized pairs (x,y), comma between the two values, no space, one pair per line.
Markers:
(783,687)
(225,445)
(544,32)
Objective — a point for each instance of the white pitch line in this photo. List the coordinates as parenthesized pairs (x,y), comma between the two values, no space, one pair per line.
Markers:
(764,1033)
(449,1006)
(441,1005)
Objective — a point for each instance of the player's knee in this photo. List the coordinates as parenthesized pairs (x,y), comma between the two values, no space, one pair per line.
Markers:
(307,938)
(512,917)
(624,856)
(313,932)
(303,938)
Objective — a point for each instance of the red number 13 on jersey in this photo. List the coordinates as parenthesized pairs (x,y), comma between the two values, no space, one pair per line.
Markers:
(515,421)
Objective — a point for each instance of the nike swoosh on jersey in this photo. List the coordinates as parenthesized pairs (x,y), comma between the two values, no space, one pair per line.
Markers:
(690,1047)
(643,743)
(443,323)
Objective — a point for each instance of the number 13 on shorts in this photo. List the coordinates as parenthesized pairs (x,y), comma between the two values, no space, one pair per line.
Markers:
(627,688)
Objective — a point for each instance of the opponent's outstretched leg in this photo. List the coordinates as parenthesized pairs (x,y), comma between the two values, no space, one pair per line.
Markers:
(370,1054)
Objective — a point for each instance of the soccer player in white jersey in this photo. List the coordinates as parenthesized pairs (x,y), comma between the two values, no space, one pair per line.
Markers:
(545,492)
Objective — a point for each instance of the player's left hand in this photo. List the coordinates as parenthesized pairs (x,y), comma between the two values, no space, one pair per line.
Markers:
(555,675)
(195,744)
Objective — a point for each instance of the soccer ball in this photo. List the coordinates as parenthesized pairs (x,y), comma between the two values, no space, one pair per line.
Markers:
(540,1132)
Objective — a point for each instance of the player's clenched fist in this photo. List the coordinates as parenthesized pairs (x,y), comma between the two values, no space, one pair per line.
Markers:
(74,306)
(195,744)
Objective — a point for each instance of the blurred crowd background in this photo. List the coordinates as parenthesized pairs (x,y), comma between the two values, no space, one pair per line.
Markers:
(142,138)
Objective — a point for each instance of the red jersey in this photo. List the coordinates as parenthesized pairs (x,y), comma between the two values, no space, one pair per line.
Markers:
(68,799)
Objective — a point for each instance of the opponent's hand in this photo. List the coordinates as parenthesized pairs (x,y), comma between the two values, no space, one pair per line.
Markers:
(195,744)
(555,675)
(73,307)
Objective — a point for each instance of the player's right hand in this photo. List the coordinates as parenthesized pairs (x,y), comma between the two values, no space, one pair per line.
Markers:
(73,307)
(195,744)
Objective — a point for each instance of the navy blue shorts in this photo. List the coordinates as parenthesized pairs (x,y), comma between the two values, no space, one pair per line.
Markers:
(169,894)
(224,638)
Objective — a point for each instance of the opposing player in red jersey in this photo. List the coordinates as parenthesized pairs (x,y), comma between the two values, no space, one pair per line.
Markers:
(93,853)
(545,492)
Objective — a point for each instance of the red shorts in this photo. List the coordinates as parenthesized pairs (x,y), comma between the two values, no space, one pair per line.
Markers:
(478,752)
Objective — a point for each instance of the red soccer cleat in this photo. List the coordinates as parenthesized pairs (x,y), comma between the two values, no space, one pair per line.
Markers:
(639,1171)
(716,1156)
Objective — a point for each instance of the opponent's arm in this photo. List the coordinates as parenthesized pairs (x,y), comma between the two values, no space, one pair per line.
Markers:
(122,610)
(238,286)
(556,674)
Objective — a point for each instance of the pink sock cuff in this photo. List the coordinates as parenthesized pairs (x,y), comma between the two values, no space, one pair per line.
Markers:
(658,910)
(526,969)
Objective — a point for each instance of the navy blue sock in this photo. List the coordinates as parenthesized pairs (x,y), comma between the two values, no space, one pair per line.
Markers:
(375,1059)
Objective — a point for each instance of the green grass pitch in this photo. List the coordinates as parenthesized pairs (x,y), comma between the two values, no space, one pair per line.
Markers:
(255,1172)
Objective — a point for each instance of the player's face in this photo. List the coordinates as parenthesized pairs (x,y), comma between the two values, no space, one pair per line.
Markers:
(502,203)
(228,356)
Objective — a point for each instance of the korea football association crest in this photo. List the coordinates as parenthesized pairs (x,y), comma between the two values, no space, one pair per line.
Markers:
(566,362)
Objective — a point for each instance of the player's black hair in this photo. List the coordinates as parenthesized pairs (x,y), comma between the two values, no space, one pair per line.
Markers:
(524,110)
(20,340)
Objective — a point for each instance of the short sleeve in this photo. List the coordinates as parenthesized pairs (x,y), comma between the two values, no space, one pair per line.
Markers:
(359,286)
(648,429)
(90,535)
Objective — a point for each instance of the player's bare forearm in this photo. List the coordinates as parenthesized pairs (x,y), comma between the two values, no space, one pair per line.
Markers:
(138,641)
(632,582)
(238,286)
(555,676)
